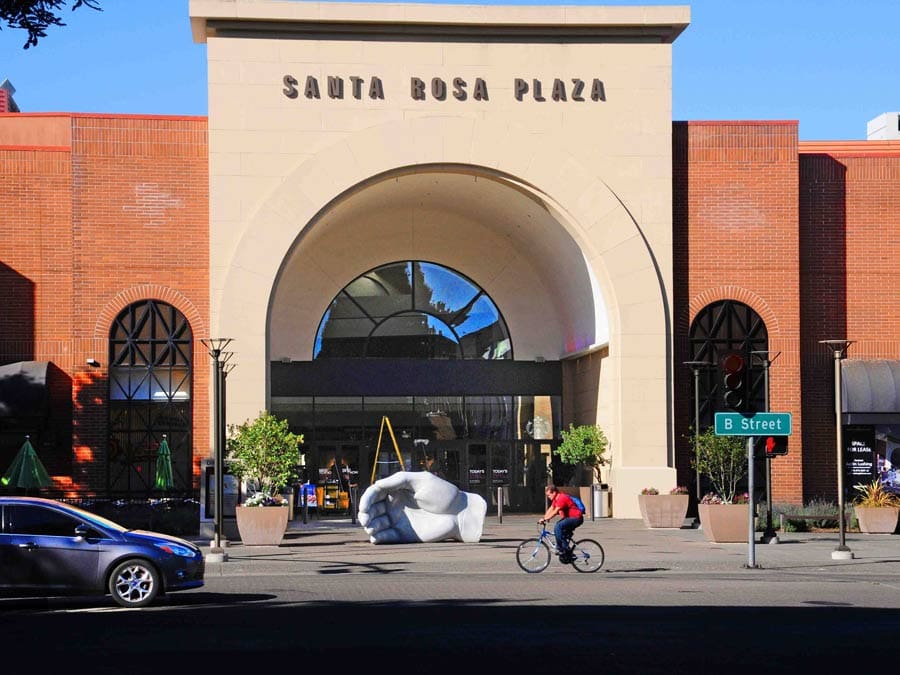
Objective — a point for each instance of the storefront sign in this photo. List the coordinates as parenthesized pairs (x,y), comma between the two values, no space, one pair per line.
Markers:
(499,476)
(439,89)
(859,456)
(476,476)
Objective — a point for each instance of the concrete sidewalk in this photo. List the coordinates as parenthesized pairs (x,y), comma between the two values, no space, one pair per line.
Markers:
(629,546)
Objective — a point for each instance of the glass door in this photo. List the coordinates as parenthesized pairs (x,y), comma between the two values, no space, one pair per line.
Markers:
(489,468)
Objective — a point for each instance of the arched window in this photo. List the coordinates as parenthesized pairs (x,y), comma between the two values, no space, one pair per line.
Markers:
(416,310)
(150,378)
(722,327)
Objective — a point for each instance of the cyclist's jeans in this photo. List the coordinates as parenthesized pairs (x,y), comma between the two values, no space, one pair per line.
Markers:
(564,529)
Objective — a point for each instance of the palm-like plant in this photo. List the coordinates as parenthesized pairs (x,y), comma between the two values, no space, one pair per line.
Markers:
(874,494)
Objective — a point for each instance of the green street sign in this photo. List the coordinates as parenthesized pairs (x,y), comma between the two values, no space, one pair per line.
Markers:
(757,424)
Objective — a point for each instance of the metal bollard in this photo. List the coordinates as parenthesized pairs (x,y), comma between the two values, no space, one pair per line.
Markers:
(500,504)
(304,503)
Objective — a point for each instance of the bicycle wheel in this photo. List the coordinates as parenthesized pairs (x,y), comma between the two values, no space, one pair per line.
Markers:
(588,555)
(533,555)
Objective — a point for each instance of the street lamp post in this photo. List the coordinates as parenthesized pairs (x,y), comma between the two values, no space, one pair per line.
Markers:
(215,347)
(769,536)
(696,366)
(839,351)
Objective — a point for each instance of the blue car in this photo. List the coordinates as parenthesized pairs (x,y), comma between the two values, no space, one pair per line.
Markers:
(48,548)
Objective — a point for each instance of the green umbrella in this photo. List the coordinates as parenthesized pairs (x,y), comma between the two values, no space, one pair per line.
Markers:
(26,470)
(164,467)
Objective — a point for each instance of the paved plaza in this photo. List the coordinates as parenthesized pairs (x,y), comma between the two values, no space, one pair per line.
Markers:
(665,601)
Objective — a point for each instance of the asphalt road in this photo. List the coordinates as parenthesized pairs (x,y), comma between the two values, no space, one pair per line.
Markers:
(666,601)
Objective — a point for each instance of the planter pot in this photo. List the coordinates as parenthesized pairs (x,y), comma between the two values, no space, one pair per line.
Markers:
(663,510)
(877,519)
(262,525)
(725,522)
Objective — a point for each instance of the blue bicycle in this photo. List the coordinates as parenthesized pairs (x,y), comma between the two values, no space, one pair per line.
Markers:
(533,555)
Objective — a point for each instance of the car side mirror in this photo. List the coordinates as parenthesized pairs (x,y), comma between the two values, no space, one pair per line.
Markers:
(82,531)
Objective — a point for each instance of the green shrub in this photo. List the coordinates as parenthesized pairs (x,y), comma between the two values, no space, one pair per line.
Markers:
(585,444)
(812,507)
(722,459)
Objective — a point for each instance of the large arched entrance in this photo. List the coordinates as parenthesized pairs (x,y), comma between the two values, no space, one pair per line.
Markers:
(558,206)
(364,326)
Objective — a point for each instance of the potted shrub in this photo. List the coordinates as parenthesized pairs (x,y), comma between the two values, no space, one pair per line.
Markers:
(876,509)
(584,445)
(264,454)
(724,514)
(667,510)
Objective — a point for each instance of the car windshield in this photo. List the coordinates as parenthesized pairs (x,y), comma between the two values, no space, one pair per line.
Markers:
(96,520)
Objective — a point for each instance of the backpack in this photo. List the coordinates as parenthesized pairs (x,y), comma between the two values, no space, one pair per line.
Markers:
(579,504)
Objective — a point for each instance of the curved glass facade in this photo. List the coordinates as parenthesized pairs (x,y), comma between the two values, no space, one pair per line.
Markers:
(416,310)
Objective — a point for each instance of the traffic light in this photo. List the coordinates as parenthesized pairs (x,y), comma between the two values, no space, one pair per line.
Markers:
(773,446)
(734,380)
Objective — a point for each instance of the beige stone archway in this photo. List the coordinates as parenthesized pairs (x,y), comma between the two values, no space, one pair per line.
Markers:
(315,108)
(596,238)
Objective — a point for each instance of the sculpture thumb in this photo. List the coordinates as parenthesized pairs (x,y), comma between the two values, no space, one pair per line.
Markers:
(470,519)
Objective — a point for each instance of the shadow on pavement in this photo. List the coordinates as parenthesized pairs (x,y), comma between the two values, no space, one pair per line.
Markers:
(238,631)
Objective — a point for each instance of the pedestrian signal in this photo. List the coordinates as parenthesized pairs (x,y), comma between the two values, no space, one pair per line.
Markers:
(773,446)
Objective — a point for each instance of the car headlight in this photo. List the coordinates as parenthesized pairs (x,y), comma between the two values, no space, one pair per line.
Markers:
(176,549)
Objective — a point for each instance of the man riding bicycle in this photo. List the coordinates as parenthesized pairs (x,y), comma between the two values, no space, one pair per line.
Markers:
(570,517)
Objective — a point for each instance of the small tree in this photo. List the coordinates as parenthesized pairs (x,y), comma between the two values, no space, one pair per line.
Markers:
(585,444)
(264,453)
(722,459)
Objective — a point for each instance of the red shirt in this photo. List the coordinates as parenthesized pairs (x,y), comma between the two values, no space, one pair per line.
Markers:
(567,507)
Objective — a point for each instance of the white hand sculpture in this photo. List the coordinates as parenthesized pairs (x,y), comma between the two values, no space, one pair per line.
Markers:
(417,506)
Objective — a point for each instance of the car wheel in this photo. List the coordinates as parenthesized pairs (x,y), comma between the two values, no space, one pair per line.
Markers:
(134,583)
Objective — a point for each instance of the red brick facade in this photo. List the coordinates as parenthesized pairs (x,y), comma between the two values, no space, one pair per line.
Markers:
(794,231)
(101,211)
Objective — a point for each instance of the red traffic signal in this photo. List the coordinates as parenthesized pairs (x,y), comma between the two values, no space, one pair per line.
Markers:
(734,379)
(773,445)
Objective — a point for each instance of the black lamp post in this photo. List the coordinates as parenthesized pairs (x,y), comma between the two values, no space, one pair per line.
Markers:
(215,347)
(769,536)
(839,351)
(696,366)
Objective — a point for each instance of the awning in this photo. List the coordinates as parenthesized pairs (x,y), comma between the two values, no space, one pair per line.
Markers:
(23,389)
(870,391)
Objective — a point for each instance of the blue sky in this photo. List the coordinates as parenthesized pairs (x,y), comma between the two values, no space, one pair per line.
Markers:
(831,64)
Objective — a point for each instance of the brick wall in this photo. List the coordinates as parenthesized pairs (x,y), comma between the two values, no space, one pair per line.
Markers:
(735,217)
(804,235)
(850,238)
(118,217)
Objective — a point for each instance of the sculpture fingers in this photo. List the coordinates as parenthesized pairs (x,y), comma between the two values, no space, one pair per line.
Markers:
(372,495)
(375,524)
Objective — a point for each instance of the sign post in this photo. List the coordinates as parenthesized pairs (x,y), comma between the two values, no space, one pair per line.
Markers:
(752,425)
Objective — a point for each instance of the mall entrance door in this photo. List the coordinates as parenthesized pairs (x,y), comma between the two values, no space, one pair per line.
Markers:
(489,472)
